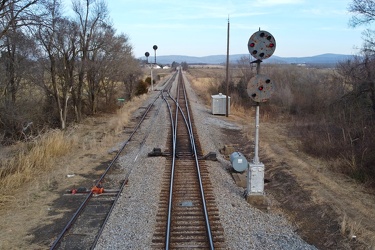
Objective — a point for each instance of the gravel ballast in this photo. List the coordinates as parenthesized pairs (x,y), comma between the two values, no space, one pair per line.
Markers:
(132,221)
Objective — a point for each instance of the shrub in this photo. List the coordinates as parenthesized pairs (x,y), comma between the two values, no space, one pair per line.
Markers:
(142,88)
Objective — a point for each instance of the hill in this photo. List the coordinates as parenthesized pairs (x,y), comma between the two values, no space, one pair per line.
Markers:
(221,59)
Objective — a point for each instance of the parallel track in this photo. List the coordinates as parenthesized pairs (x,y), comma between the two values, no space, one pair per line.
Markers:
(187,217)
(85,227)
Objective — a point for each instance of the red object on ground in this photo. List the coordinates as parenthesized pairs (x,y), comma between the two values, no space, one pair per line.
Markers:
(97,190)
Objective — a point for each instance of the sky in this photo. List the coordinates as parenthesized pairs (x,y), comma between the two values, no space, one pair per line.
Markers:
(199,27)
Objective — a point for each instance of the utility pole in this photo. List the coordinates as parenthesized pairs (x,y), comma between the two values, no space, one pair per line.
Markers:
(227,74)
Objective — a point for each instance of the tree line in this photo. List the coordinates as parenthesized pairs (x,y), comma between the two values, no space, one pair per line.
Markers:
(56,69)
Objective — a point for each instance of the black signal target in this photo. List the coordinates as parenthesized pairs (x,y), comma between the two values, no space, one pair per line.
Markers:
(260,88)
(261,45)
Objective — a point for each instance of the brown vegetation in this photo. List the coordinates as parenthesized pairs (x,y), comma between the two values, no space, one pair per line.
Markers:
(60,69)
(28,160)
(307,144)
(329,109)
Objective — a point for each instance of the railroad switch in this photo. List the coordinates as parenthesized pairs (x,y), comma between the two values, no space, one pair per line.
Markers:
(97,189)
(157,152)
(211,156)
(82,190)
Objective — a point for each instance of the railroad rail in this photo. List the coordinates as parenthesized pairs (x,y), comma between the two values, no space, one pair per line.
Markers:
(84,228)
(187,217)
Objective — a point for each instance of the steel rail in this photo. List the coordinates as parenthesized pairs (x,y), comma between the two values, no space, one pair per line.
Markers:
(189,127)
(209,233)
(173,164)
(125,180)
(168,229)
(174,143)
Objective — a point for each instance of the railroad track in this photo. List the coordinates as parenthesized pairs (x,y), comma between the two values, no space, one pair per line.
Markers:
(84,228)
(187,216)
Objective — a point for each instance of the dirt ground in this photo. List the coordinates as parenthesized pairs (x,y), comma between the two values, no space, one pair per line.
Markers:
(329,210)
(341,205)
(34,215)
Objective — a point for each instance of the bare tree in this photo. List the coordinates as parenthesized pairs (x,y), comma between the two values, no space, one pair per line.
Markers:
(14,41)
(90,15)
(364,14)
(16,48)
(14,13)
(245,66)
(57,36)
(97,61)
(128,73)
(114,64)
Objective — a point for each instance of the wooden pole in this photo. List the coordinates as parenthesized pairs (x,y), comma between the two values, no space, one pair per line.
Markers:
(227,73)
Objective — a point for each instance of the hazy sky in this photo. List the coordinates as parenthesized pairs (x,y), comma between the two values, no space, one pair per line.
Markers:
(199,27)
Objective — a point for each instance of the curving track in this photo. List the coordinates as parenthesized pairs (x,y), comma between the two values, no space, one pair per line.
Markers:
(187,215)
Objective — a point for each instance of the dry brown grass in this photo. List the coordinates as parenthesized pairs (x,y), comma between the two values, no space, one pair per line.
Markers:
(76,152)
(33,159)
(116,124)
(206,81)
(354,230)
(204,86)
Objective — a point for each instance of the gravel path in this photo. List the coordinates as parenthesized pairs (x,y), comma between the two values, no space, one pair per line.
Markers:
(132,221)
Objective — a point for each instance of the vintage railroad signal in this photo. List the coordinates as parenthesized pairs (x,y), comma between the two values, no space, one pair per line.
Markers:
(260,88)
(261,45)
(155,47)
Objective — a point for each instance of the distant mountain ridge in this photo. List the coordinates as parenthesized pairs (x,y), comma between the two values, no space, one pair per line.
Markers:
(328,58)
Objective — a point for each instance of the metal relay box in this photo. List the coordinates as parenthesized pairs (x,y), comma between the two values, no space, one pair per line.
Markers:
(218,104)
(255,179)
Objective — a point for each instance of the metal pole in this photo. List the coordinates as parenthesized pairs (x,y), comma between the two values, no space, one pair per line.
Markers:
(155,47)
(227,74)
(152,81)
(256,155)
(258,67)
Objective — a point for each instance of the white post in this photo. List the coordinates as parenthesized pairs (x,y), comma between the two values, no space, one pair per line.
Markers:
(255,173)
(152,81)
(256,154)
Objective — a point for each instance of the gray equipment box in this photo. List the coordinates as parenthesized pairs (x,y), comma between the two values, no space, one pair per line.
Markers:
(256,179)
(219,104)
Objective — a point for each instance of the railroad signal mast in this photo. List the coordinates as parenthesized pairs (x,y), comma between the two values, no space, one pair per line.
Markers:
(261,46)
(147,54)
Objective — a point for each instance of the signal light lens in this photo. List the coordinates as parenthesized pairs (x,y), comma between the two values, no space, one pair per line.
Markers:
(271,45)
(252,45)
(260,88)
